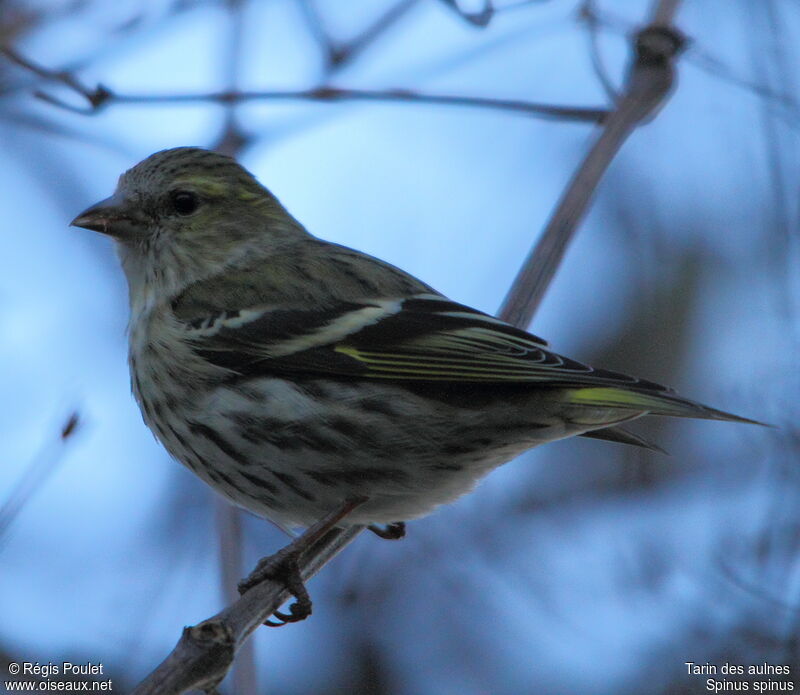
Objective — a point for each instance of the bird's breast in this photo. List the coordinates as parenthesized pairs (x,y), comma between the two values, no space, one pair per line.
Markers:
(166,374)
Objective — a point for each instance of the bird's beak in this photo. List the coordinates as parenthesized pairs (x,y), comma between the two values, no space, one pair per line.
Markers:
(109,216)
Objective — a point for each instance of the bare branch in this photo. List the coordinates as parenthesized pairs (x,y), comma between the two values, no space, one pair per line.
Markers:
(478,19)
(101,97)
(228,521)
(337,55)
(232,139)
(650,80)
(96,97)
(398,95)
(205,652)
(375,30)
(329,94)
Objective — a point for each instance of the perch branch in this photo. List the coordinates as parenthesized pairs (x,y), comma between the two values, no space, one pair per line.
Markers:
(205,652)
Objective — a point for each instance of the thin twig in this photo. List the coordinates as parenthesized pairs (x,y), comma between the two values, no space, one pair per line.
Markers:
(482,17)
(378,28)
(101,97)
(398,95)
(338,55)
(232,138)
(330,94)
(650,80)
(229,530)
(96,97)
(39,469)
(315,25)
(588,15)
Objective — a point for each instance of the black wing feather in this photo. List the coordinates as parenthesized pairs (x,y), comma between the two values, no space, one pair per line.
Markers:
(425,338)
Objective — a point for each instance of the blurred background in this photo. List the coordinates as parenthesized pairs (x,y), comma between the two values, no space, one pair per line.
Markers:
(582,567)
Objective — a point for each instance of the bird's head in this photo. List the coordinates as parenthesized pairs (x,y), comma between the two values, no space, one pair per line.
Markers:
(188,213)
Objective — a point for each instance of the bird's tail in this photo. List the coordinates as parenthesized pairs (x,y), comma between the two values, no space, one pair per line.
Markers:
(664,403)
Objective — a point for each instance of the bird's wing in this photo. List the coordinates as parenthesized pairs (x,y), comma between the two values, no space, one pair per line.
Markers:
(424,338)
(420,338)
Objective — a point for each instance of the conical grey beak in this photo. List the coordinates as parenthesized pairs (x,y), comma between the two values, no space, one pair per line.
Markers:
(110,217)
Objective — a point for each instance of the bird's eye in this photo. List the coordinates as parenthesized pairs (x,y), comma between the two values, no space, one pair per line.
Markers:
(184,202)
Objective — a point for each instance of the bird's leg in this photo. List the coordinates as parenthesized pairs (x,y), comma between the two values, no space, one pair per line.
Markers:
(284,566)
(391,532)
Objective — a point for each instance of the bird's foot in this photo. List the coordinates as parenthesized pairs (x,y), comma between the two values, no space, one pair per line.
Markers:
(283,567)
(391,532)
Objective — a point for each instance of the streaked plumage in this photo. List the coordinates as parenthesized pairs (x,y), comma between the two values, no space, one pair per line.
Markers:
(291,373)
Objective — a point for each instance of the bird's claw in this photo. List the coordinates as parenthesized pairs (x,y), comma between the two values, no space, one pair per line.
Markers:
(390,532)
(297,611)
(283,567)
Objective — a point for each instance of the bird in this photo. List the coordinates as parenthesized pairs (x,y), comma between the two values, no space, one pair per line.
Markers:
(292,374)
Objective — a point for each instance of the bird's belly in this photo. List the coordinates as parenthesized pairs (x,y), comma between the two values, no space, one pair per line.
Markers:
(294,451)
